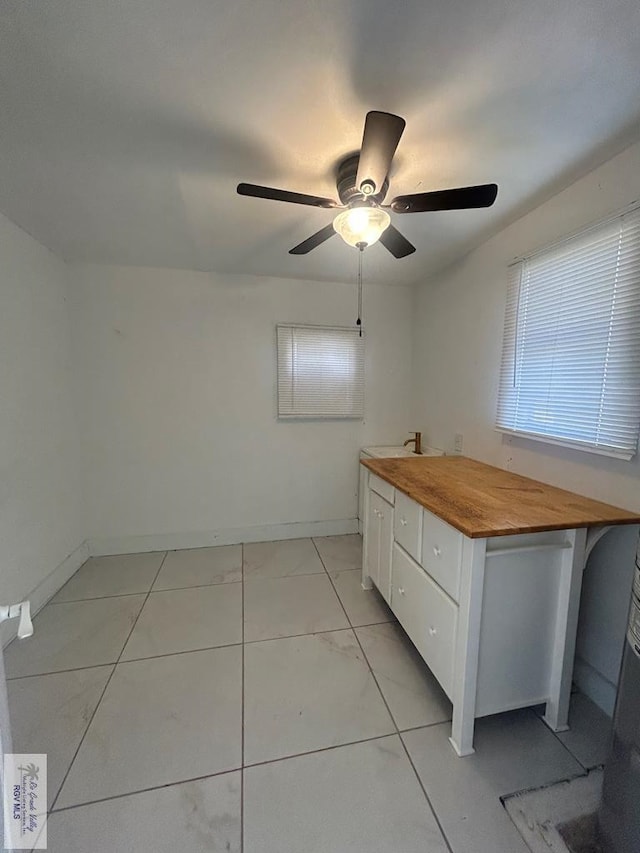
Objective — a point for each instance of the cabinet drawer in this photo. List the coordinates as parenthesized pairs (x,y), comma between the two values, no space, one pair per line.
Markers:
(381,487)
(442,553)
(428,616)
(407,526)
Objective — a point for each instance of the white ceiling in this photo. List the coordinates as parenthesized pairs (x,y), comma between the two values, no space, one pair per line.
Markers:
(125,125)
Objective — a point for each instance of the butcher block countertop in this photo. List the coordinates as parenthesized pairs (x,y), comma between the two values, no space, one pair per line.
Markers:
(483,501)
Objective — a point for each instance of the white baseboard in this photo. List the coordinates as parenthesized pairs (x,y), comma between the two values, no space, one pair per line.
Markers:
(56,579)
(48,587)
(594,685)
(230,536)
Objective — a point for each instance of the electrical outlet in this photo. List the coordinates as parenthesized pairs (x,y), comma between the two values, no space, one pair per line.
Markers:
(457,442)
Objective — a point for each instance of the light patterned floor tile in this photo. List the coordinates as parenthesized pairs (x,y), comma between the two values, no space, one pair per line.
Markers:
(183,620)
(514,752)
(306,693)
(118,575)
(360,798)
(363,606)
(589,736)
(161,720)
(284,607)
(200,566)
(281,559)
(340,553)
(73,635)
(414,696)
(193,817)
(50,714)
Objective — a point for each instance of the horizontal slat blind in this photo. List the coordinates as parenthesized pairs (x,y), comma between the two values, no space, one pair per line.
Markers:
(571,355)
(320,372)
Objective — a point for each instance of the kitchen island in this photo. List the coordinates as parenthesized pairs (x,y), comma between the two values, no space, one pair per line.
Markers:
(483,569)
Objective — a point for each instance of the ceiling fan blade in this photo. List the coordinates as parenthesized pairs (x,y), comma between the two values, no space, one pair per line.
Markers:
(382,132)
(255,191)
(396,243)
(456,199)
(313,241)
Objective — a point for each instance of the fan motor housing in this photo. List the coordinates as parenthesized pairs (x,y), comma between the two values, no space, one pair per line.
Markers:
(348,192)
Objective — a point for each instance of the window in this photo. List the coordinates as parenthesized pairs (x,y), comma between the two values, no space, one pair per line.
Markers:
(570,369)
(320,372)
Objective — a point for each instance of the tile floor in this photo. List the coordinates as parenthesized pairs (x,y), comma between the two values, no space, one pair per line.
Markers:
(254,698)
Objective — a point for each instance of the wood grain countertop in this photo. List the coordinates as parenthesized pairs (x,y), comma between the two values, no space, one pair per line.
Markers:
(484,501)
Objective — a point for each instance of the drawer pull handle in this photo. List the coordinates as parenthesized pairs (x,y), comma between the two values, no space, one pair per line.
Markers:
(403,522)
(433,632)
(401,590)
(437,551)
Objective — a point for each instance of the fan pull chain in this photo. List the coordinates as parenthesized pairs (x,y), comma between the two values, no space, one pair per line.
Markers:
(360,254)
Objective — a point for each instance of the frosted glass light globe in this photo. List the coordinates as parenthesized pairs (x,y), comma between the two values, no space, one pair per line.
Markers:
(361,224)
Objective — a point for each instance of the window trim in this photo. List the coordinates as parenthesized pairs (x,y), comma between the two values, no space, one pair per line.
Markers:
(570,445)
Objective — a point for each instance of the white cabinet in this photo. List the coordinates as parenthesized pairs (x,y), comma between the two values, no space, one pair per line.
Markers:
(494,618)
(378,535)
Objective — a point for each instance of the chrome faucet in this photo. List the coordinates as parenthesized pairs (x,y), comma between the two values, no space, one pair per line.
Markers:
(417,442)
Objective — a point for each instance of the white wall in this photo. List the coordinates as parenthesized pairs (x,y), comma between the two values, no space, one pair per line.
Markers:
(40,506)
(457,337)
(177,379)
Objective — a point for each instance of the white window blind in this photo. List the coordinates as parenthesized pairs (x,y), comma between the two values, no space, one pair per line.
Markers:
(320,372)
(570,368)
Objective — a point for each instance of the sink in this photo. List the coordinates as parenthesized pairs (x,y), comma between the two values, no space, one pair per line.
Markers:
(385,452)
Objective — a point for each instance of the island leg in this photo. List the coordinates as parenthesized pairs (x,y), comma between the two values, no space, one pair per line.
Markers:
(465,677)
(564,643)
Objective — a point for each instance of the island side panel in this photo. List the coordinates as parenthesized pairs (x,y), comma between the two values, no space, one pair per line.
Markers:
(519,617)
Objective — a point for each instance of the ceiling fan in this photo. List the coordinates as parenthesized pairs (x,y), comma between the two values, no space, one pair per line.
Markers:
(362,184)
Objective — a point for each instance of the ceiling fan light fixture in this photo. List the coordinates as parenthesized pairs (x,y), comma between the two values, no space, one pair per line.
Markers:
(361,225)
(362,181)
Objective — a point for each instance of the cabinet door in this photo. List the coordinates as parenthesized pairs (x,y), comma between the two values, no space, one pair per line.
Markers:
(372,538)
(385,540)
